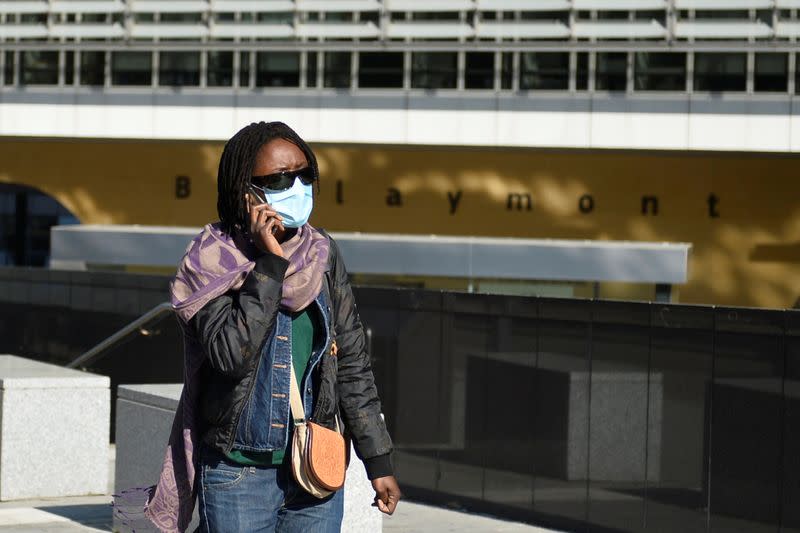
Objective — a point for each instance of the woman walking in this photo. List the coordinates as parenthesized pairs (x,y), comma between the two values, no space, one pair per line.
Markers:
(262,295)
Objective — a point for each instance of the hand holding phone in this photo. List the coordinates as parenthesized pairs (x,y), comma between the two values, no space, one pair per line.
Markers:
(265,223)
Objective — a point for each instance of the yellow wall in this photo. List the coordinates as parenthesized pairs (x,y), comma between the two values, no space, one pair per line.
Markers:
(749,255)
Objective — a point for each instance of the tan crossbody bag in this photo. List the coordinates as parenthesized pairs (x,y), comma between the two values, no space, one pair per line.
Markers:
(319,456)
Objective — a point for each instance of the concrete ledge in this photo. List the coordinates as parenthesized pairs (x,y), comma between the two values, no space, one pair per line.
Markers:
(54,433)
(417,255)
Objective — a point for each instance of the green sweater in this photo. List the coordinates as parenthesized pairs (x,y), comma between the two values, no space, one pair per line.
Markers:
(304,327)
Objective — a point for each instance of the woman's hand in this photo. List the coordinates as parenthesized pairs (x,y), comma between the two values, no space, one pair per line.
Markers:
(387,494)
(264,223)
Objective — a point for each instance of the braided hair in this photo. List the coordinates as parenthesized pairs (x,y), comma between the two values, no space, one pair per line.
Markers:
(236,168)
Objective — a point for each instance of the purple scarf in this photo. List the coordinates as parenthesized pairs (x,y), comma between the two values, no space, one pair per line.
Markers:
(212,265)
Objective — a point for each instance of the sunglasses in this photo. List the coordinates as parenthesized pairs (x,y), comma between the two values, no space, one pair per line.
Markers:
(280,181)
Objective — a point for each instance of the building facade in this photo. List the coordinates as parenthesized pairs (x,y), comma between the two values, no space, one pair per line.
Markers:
(658,120)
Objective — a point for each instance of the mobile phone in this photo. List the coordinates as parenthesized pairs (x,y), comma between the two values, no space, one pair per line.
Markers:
(257,194)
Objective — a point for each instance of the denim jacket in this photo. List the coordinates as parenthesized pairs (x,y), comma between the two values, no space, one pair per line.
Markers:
(269,398)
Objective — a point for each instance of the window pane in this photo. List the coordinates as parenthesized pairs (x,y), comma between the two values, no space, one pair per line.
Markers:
(611,71)
(659,71)
(772,73)
(244,69)
(8,71)
(181,17)
(312,73)
(339,16)
(544,70)
(219,71)
(479,71)
(179,68)
(33,18)
(277,69)
(380,69)
(40,68)
(582,71)
(283,17)
(92,67)
(69,67)
(131,68)
(797,74)
(506,70)
(438,15)
(337,69)
(720,72)
(434,70)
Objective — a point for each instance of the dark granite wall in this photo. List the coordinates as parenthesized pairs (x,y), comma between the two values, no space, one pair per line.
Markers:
(578,414)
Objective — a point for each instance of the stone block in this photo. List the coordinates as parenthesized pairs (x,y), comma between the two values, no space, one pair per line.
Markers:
(54,433)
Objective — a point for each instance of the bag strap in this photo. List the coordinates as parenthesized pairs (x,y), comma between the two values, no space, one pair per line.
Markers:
(298,413)
(295,401)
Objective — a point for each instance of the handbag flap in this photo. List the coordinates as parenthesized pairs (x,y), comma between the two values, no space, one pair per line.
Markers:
(326,456)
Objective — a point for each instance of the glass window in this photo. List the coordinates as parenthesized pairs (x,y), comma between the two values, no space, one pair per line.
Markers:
(275,18)
(179,68)
(277,69)
(772,73)
(582,71)
(380,69)
(337,69)
(219,70)
(659,16)
(339,16)
(244,69)
(181,17)
(797,74)
(434,70)
(479,70)
(720,71)
(92,68)
(140,17)
(765,16)
(40,68)
(436,15)
(717,14)
(26,216)
(561,16)
(544,70)
(506,70)
(611,71)
(131,68)
(69,67)
(370,16)
(659,71)
(8,69)
(612,15)
(33,18)
(312,73)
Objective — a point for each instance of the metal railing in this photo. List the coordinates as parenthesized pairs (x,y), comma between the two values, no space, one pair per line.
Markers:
(136,326)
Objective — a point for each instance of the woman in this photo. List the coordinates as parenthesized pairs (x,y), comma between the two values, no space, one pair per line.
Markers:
(259,294)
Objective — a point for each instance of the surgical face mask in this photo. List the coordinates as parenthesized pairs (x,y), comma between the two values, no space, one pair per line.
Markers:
(294,204)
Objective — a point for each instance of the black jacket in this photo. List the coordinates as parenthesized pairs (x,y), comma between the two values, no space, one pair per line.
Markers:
(232,330)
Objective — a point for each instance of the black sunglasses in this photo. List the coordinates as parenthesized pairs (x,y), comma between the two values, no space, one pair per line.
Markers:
(280,181)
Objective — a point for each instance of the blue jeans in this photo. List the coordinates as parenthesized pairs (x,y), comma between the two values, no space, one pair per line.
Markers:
(236,498)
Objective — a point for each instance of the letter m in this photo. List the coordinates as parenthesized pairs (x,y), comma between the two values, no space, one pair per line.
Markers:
(516,200)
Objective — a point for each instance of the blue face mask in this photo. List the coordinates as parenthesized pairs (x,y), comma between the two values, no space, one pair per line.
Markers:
(294,204)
